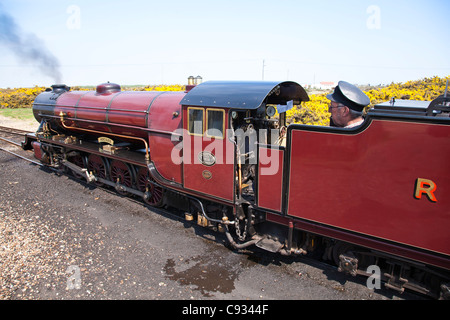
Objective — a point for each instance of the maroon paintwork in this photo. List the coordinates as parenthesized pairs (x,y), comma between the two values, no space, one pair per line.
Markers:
(360,186)
(125,112)
(164,119)
(150,115)
(270,178)
(216,180)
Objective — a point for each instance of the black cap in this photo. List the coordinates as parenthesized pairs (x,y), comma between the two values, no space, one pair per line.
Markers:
(350,96)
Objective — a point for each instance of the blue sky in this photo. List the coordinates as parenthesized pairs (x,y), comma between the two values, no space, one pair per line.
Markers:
(165,41)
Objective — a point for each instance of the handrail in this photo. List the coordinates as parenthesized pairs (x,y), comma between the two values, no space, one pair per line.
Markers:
(114,124)
(147,154)
(107,108)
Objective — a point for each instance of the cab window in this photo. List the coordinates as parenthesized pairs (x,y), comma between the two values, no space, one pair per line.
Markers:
(195,121)
(215,120)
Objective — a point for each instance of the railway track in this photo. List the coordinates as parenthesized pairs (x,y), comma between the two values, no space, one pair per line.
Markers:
(12,135)
(11,142)
(13,131)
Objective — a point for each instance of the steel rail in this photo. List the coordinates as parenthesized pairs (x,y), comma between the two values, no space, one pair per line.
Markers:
(14,130)
(17,144)
(21,157)
(11,142)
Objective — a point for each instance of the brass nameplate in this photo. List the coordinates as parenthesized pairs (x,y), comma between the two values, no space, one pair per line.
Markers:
(106,140)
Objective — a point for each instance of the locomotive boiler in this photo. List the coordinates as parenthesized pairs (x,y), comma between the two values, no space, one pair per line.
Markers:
(223,153)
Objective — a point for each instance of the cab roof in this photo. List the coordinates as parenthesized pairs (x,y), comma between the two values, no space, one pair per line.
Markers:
(244,94)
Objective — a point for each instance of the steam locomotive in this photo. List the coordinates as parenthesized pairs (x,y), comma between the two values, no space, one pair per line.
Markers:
(223,153)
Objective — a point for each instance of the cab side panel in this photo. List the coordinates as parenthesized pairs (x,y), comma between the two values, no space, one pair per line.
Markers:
(367,182)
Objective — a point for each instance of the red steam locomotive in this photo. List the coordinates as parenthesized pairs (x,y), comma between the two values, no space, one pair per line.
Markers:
(223,153)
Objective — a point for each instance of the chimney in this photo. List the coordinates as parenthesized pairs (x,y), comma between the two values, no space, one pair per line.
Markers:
(192,82)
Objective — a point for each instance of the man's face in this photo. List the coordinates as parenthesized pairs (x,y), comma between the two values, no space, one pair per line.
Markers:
(336,110)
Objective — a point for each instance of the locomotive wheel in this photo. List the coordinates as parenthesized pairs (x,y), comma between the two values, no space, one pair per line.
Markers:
(121,173)
(144,184)
(79,161)
(98,166)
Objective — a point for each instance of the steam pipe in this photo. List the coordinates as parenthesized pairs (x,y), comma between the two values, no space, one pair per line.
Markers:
(238,246)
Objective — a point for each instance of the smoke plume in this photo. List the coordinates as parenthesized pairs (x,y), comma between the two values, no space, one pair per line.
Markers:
(28,47)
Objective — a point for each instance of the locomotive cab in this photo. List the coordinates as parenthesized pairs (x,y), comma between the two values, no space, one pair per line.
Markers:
(226,124)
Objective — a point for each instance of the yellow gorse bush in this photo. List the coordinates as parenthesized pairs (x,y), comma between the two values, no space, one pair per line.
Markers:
(175,87)
(426,89)
(313,112)
(19,98)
